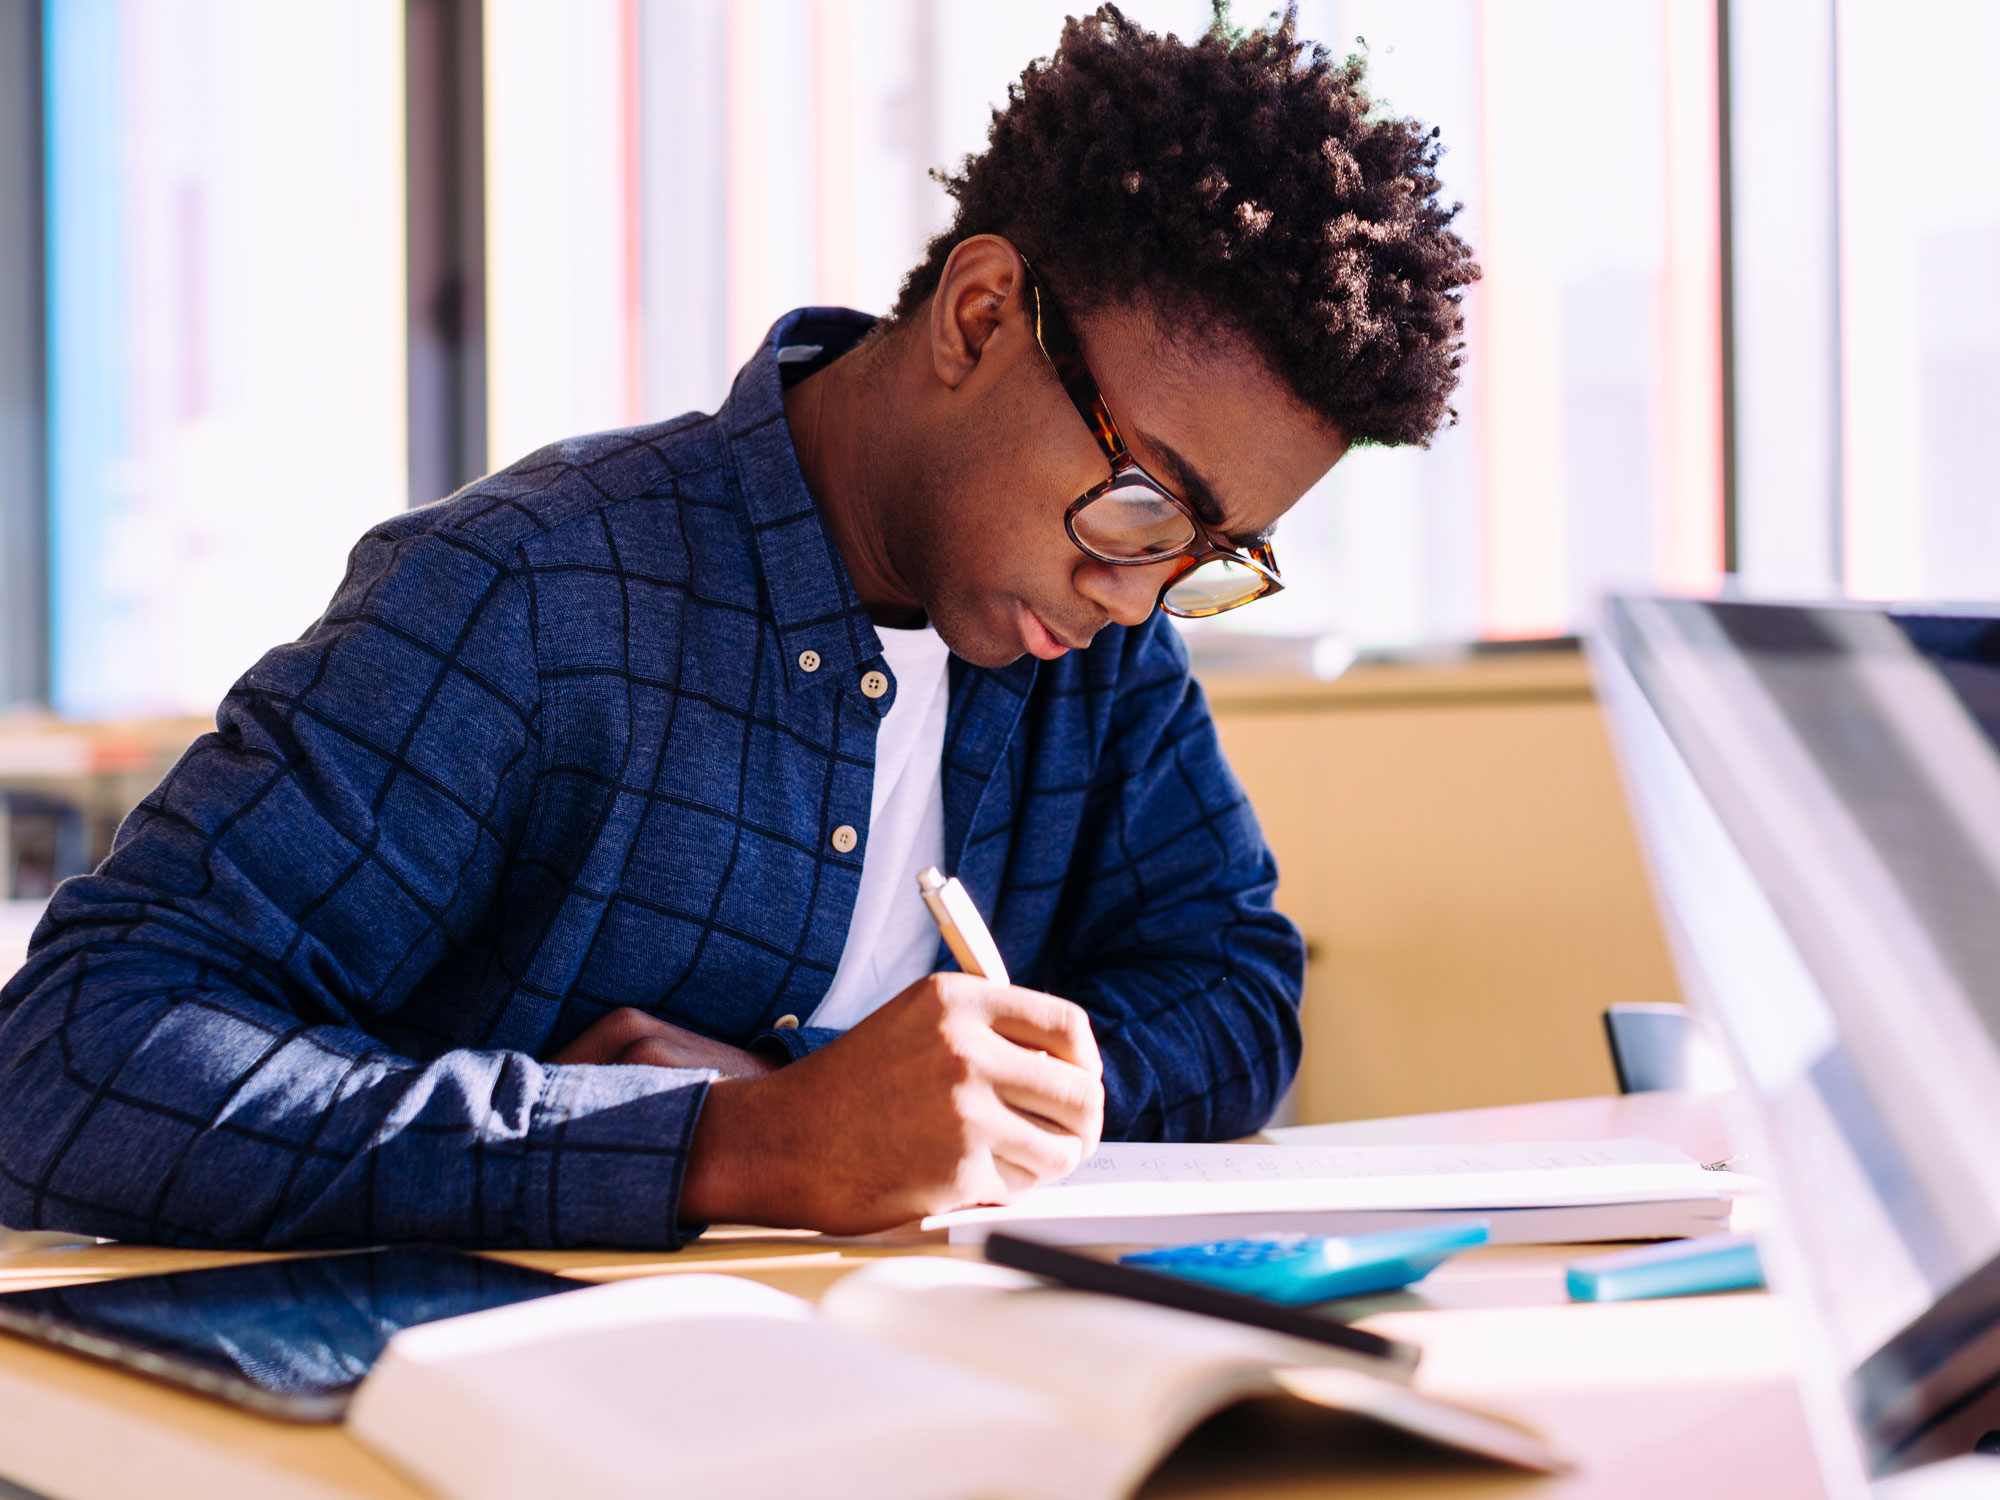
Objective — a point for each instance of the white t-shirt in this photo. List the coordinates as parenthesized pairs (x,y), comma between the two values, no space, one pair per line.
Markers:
(892,942)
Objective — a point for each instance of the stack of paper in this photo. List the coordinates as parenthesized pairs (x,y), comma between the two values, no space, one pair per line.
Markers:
(1134,1194)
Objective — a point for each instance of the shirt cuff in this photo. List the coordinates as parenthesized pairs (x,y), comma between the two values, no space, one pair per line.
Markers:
(606,1153)
(794,1042)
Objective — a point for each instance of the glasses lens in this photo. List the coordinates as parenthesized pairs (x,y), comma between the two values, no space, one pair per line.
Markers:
(1218,584)
(1132,522)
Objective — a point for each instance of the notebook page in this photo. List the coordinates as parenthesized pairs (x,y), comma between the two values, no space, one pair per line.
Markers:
(1145,1161)
(1131,1179)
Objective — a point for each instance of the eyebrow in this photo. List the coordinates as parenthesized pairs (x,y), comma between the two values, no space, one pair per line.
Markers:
(1200,495)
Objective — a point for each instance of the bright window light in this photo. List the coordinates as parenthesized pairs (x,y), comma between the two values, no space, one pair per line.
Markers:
(563,316)
(227,332)
(1920,305)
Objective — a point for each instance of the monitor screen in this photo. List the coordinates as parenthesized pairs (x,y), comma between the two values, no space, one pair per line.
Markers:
(1819,791)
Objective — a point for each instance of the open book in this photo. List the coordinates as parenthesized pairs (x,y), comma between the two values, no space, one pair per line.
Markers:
(1140,1194)
(919,1377)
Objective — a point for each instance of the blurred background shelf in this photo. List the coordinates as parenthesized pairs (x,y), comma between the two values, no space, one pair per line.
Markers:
(64,788)
(82,778)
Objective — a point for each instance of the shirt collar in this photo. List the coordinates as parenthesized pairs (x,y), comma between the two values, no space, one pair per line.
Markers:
(813,601)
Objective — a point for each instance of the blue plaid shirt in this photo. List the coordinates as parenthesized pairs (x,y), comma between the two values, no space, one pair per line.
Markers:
(575,739)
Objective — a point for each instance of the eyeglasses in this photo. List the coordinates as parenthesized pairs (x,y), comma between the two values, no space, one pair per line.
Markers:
(1132,520)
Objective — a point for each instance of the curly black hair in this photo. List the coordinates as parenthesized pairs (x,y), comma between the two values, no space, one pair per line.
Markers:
(1244,179)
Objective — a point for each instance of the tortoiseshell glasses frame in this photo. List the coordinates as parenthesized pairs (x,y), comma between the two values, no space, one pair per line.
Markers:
(1132,520)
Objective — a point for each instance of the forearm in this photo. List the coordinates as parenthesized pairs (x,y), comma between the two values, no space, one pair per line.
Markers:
(150,1100)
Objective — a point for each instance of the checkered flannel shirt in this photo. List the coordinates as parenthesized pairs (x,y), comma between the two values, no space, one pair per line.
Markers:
(579,738)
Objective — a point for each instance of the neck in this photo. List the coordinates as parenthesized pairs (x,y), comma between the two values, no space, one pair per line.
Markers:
(841,433)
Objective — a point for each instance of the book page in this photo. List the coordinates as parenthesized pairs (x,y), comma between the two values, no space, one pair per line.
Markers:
(1130,1178)
(714,1386)
(1138,1375)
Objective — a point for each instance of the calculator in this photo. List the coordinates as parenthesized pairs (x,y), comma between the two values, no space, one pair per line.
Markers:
(1296,1269)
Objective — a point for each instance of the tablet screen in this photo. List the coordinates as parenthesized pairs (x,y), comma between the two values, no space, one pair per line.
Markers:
(290,1338)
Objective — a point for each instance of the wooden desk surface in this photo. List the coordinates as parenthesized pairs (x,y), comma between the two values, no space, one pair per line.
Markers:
(1682,1398)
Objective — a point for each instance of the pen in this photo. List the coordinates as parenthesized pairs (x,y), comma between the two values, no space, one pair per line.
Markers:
(959,924)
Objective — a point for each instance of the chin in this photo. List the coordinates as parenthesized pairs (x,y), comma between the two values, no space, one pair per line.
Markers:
(983,649)
(982,638)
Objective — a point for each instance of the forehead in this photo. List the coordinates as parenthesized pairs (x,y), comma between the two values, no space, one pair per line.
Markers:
(1203,411)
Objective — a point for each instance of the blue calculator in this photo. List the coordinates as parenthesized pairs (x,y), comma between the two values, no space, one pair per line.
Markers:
(1299,1268)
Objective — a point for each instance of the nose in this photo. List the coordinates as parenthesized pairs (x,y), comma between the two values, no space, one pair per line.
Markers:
(1127,595)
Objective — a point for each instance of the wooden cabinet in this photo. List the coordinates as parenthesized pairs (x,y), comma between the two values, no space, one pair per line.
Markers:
(1454,842)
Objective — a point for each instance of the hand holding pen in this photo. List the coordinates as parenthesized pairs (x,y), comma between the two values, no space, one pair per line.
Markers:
(963,1089)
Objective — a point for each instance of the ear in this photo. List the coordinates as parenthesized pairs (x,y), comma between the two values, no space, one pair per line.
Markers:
(982,286)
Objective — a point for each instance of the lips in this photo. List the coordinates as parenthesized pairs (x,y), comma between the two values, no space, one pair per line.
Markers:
(1039,639)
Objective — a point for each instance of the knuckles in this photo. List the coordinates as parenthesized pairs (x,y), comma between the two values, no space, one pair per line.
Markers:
(649,1051)
(957,994)
(1083,1093)
(1074,1022)
(627,1025)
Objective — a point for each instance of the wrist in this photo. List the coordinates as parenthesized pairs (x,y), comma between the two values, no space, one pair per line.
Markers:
(730,1168)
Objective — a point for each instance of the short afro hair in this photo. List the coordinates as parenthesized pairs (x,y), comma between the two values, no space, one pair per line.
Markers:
(1246,180)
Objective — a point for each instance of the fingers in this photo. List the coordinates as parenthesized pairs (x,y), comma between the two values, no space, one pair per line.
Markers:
(1051,1069)
(1061,1095)
(1026,1154)
(1017,1178)
(609,1035)
(621,1036)
(1047,1023)
(651,1052)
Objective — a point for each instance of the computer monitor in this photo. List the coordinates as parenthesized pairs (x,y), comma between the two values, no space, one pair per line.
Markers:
(1818,791)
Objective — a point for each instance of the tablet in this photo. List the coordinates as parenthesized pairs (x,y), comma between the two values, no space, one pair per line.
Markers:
(286,1338)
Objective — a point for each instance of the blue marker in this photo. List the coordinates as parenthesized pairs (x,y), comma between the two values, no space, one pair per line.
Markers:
(1678,1268)
(1296,1269)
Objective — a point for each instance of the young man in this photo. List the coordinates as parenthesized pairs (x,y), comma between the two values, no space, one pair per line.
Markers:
(556,888)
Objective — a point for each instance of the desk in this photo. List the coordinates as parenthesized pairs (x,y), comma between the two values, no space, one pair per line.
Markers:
(1687,1398)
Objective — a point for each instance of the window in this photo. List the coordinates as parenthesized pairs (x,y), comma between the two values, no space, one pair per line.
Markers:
(225,251)
(1920,297)
(662,178)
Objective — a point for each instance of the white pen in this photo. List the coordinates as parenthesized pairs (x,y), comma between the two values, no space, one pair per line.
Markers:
(959,924)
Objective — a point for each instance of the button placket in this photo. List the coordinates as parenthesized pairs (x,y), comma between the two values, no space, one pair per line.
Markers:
(875,685)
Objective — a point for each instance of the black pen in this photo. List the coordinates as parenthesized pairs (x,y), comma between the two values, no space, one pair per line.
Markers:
(1396,1360)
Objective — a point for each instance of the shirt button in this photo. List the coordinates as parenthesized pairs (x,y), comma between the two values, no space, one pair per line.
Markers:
(845,838)
(785,1023)
(808,661)
(874,684)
